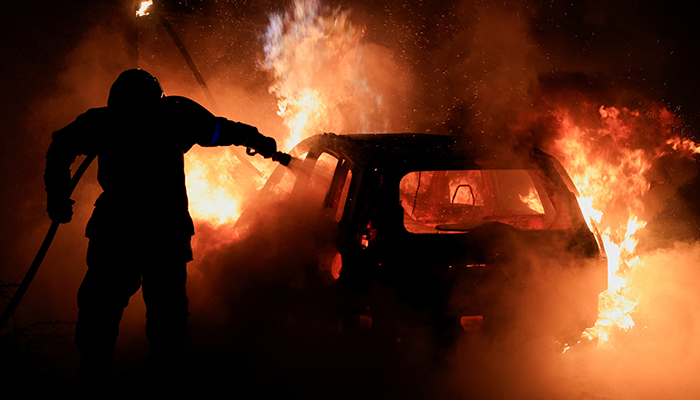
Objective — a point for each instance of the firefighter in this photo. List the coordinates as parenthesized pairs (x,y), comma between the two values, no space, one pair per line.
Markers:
(139,232)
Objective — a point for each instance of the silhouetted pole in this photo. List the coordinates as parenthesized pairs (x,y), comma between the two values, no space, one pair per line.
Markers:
(202,83)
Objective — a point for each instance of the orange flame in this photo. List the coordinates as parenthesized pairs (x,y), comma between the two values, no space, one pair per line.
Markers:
(609,163)
(316,58)
(532,200)
(218,185)
(317,61)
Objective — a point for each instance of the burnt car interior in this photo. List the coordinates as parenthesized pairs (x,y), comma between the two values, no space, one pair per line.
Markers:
(455,201)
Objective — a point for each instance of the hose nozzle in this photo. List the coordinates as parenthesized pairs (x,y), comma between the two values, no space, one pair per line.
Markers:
(282,158)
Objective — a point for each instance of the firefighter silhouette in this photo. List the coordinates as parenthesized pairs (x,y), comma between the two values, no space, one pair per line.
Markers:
(139,232)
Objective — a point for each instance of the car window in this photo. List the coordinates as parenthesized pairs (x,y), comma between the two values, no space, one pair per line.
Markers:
(328,184)
(453,201)
(321,178)
(343,195)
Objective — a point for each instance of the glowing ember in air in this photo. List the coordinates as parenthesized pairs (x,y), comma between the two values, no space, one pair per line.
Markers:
(609,161)
(143,9)
(317,61)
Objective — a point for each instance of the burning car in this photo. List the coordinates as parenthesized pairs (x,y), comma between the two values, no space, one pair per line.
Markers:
(434,231)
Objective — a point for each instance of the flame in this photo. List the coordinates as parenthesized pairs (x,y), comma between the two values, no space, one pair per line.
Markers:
(218,185)
(609,161)
(317,59)
(532,200)
(143,9)
(678,144)
(317,63)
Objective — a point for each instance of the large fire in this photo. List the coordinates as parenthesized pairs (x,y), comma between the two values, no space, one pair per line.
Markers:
(316,58)
(318,65)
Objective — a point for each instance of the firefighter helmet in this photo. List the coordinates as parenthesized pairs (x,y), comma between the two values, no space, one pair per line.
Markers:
(133,88)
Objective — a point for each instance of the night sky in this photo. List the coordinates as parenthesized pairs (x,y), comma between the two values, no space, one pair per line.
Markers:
(59,59)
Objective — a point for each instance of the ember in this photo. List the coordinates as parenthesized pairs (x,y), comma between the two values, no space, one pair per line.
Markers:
(143,9)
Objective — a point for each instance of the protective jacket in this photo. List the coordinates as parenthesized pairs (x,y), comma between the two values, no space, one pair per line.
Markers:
(141,163)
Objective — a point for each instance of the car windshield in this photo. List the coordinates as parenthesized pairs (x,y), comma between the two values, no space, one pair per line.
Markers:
(454,201)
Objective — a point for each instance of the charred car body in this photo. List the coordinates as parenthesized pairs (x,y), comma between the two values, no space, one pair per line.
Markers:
(429,230)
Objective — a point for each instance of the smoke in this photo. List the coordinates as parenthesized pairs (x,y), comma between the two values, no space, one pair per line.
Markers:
(663,345)
(497,87)
(498,71)
(262,309)
(658,358)
(263,306)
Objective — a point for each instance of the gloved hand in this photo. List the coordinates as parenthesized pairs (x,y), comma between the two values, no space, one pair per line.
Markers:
(60,209)
(263,145)
(240,134)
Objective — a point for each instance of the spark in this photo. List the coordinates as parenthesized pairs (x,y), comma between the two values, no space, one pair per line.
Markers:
(143,9)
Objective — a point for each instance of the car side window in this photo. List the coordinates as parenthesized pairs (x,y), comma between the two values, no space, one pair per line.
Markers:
(321,178)
(342,197)
(328,184)
(281,183)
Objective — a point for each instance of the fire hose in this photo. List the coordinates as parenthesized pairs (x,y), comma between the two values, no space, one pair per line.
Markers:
(19,293)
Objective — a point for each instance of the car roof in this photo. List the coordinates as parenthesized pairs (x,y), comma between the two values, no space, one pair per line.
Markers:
(393,147)
(403,143)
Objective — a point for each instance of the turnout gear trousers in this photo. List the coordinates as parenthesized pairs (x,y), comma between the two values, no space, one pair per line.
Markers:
(159,268)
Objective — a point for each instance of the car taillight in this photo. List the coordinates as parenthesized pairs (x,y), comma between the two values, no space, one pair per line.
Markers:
(471,322)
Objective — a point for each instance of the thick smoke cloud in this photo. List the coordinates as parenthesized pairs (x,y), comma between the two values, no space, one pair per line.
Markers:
(472,67)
